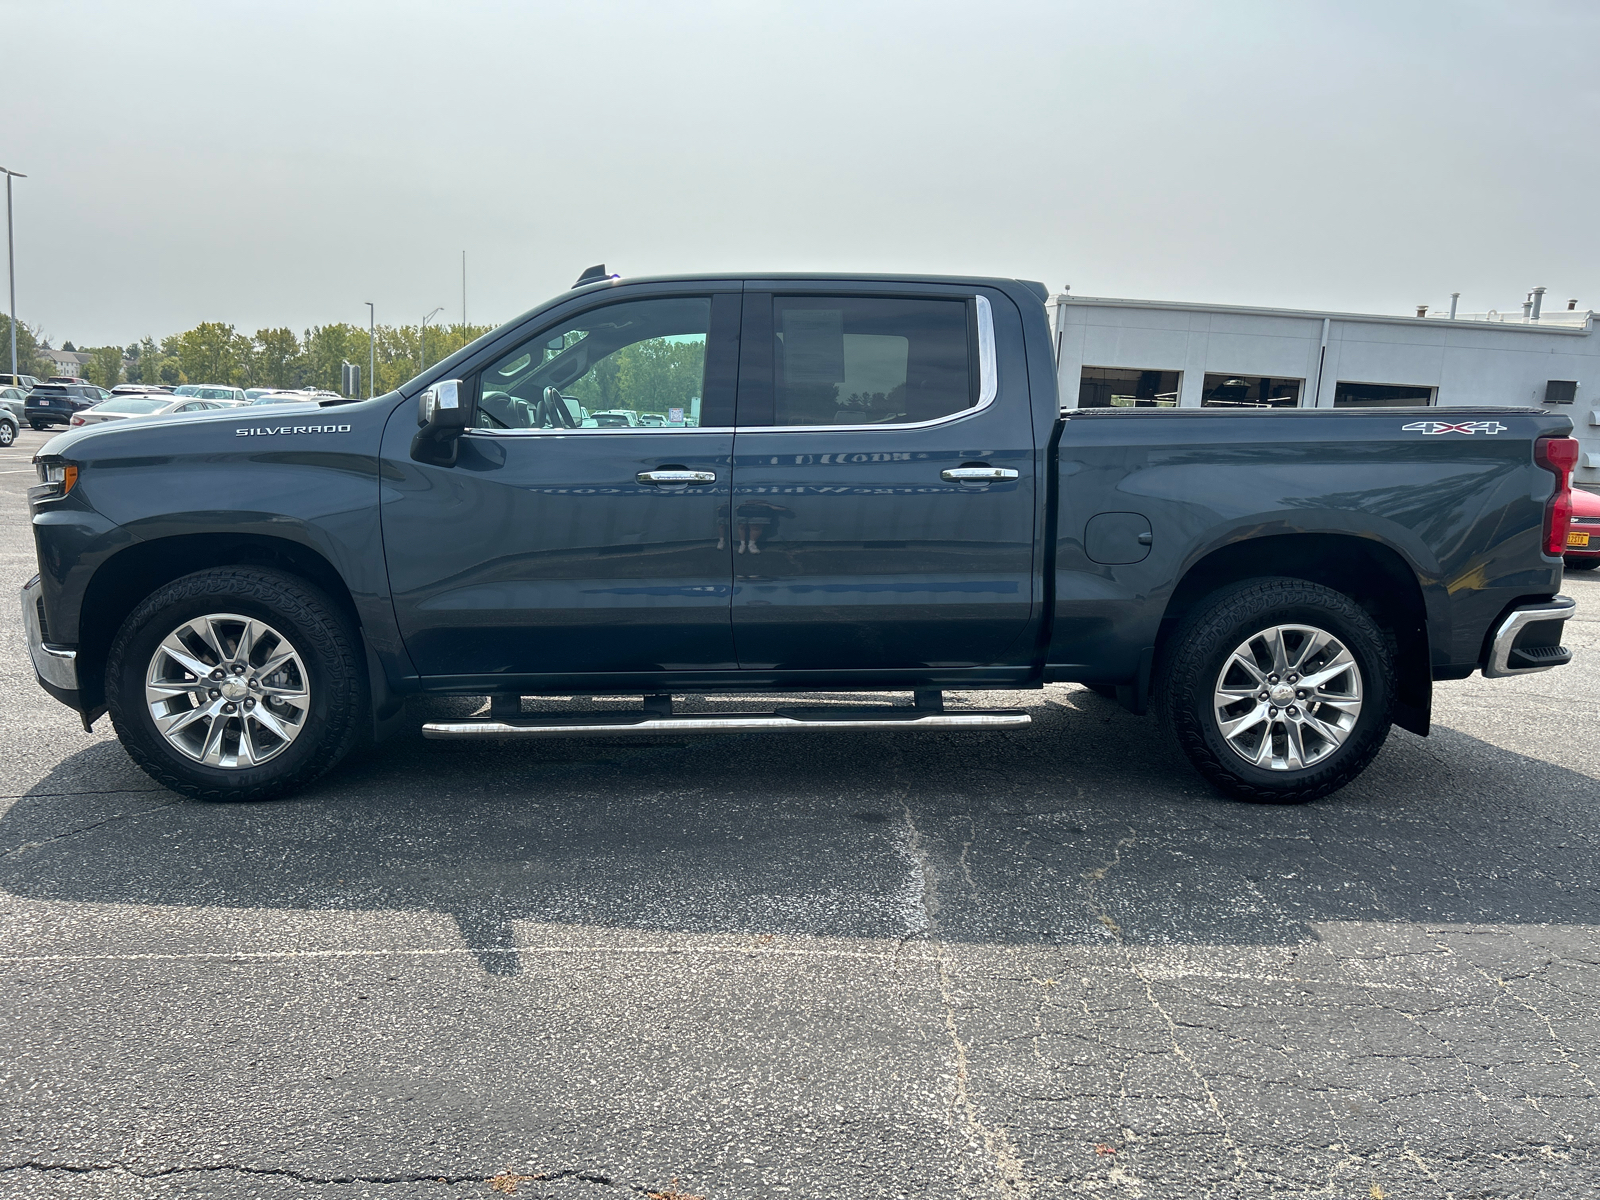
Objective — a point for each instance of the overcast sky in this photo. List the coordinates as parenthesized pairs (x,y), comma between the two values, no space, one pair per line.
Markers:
(279,164)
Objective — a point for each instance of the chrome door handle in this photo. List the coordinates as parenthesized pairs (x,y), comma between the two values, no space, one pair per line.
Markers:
(677,476)
(976,474)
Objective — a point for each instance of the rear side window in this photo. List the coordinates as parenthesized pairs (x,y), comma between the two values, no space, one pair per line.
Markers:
(850,360)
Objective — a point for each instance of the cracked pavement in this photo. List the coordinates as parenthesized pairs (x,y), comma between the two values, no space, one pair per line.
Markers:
(1041,963)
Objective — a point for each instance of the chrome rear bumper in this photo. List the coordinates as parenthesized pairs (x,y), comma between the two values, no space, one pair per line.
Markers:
(1542,649)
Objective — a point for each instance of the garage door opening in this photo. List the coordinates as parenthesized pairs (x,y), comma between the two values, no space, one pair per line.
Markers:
(1381,395)
(1120,387)
(1250,391)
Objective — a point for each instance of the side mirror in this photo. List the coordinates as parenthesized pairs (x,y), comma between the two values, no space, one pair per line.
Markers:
(444,412)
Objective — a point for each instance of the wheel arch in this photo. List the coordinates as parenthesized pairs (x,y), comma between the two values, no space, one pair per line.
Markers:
(127,577)
(1374,575)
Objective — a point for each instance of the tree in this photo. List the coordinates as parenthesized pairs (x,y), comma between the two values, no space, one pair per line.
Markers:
(68,348)
(275,358)
(104,366)
(29,341)
(327,348)
(212,352)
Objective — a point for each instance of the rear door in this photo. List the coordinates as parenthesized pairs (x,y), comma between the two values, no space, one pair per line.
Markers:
(884,497)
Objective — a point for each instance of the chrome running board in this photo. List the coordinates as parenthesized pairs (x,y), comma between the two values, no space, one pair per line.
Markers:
(783,721)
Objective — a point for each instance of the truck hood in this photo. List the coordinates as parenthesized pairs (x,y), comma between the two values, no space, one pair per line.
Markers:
(187,432)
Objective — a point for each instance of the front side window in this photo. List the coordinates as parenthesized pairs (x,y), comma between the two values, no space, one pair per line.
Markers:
(870,361)
(639,364)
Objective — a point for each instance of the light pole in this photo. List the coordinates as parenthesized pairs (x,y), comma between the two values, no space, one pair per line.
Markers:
(422,339)
(372,349)
(11,268)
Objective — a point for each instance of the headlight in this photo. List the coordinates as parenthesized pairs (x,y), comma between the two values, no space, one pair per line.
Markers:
(57,477)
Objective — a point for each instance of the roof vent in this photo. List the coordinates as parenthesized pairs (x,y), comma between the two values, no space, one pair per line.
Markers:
(594,274)
(1422,310)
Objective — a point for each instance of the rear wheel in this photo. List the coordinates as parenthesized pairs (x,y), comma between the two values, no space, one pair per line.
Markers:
(38,424)
(8,433)
(1278,690)
(235,684)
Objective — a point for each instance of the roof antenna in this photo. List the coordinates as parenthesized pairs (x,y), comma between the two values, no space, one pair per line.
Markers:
(594,274)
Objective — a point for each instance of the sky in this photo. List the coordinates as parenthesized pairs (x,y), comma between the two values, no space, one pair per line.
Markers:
(271,164)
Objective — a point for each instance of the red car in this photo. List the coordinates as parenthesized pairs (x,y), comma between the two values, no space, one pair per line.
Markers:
(1583,532)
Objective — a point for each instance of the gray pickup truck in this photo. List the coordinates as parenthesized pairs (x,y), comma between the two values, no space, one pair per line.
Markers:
(831,483)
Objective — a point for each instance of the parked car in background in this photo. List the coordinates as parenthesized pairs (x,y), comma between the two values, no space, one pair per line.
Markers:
(66,379)
(282,398)
(14,398)
(54,403)
(141,389)
(26,382)
(209,391)
(1583,532)
(10,424)
(618,418)
(121,408)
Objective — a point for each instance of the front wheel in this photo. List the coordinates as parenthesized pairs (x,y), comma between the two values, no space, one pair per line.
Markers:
(1279,691)
(8,433)
(235,683)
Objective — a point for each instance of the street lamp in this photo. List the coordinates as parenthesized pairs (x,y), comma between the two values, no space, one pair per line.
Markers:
(422,339)
(372,348)
(11,268)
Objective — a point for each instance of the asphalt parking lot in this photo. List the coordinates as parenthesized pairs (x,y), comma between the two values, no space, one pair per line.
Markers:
(1041,963)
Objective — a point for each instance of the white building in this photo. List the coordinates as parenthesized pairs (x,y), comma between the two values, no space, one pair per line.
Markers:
(1150,353)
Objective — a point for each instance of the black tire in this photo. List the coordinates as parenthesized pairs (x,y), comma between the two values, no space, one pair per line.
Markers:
(8,433)
(1574,563)
(1194,660)
(318,631)
(38,425)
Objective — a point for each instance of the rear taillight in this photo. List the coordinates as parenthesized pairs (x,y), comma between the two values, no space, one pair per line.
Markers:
(1558,455)
(76,421)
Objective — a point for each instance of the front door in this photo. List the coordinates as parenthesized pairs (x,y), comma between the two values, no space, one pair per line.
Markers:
(884,501)
(583,526)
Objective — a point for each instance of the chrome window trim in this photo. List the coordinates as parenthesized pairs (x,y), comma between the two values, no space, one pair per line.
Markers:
(480,430)
(988,389)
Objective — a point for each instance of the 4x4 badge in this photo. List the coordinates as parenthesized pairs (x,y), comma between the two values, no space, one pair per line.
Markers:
(1467,427)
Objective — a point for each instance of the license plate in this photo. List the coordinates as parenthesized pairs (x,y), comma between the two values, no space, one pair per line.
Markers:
(44,404)
(1580,540)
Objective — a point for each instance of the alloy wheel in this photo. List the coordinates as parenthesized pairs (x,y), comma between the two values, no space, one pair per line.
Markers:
(1287,697)
(227,691)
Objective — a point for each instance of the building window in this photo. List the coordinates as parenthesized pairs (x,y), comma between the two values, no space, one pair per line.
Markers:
(1381,395)
(1120,387)
(1250,391)
(1560,391)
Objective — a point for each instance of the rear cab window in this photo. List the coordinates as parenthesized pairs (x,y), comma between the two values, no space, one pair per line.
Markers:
(860,360)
